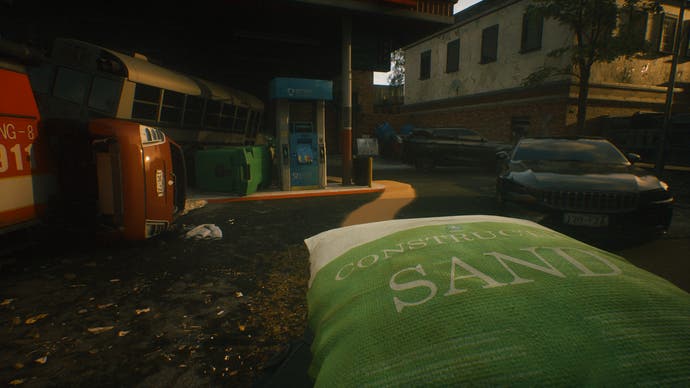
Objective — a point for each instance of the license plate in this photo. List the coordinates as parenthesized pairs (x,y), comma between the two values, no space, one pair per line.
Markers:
(593,220)
(160,183)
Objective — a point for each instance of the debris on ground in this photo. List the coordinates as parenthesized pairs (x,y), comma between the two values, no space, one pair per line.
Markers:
(99,330)
(193,204)
(34,319)
(205,232)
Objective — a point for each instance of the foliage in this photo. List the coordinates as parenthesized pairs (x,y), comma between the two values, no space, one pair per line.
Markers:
(603,31)
(397,76)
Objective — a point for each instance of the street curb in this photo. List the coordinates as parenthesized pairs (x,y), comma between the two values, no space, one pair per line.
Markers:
(265,196)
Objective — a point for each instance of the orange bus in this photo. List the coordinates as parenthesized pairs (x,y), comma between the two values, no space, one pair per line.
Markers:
(128,177)
(26,179)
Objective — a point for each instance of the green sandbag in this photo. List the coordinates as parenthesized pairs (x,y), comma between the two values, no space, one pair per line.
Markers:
(484,300)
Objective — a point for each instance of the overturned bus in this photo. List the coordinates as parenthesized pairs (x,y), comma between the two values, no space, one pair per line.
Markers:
(130,176)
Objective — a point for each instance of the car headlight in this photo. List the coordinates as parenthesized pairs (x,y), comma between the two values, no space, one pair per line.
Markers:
(518,192)
(656,196)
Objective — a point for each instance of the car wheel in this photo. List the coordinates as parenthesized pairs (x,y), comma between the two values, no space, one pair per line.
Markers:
(500,203)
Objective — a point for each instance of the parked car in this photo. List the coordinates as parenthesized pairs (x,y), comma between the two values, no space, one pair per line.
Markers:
(582,184)
(429,147)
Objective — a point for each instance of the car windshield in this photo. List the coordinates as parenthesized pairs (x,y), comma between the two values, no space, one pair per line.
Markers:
(578,150)
(456,133)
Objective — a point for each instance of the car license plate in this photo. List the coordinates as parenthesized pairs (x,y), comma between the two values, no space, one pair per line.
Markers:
(579,219)
(160,184)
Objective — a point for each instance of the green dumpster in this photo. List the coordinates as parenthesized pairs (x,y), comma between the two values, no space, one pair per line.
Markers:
(262,156)
(235,170)
(251,172)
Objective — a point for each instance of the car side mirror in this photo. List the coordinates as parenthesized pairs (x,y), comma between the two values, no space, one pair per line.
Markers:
(634,158)
(502,155)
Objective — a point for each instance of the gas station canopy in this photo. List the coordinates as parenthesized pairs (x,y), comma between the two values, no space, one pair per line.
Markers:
(240,43)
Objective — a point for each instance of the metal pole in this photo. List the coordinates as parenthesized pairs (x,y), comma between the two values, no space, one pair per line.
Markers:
(663,139)
(346,132)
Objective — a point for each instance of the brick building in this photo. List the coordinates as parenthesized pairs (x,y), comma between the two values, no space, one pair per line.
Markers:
(471,74)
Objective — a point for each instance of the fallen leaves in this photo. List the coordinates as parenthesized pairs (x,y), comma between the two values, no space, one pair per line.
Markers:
(122,333)
(100,329)
(35,318)
(41,360)
(142,311)
(6,302)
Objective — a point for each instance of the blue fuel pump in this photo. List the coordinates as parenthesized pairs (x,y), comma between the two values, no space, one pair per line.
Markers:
(304,162)
(300,130)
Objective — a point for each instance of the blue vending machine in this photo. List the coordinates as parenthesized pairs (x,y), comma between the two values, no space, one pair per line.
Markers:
(300,129)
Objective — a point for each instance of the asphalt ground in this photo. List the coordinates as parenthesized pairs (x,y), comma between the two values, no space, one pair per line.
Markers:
(175,312)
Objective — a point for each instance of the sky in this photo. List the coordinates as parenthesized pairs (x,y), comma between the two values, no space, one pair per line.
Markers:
(382,78)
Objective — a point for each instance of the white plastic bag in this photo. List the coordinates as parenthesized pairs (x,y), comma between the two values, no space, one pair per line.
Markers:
(205,232)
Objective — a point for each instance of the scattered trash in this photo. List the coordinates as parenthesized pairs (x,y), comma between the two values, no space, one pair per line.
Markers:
(231,221)
(34,319)
(142,311)
(193,204)
(122,333)
(6,302)
(219,313)
(41,360)
(241,327)
(205,232)
(239,294)
(99,330)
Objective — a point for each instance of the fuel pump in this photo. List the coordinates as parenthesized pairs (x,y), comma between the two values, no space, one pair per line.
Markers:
(301,133)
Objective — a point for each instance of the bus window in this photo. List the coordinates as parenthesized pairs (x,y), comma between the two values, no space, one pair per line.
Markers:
(227,116)
(105,93)
(192,112)
(71,85)
(146,99)
(212,113)
(255,124)
(171,111)
(241,120)
(41,78)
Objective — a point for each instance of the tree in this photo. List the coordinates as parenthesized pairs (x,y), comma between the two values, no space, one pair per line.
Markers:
(397,76)
(593,23)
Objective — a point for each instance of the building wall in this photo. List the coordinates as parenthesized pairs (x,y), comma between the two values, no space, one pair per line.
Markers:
(508,71)
(489,97)
(652,69)
(502,115)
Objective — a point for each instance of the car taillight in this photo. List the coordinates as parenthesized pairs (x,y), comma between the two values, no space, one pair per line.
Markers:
(154,228)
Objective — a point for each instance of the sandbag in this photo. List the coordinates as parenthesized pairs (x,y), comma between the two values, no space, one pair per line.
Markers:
(486,300)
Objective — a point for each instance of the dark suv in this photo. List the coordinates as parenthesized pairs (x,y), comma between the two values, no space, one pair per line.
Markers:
(429,147)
